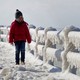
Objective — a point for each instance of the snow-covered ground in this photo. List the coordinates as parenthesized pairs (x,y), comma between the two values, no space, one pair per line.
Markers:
(34,69)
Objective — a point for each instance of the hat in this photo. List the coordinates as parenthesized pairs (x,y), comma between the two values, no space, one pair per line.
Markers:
(18,14)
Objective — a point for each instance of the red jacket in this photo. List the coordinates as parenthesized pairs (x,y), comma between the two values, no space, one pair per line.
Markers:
(19,32)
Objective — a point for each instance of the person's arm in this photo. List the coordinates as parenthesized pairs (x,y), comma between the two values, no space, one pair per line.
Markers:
(28,36)
(11,34)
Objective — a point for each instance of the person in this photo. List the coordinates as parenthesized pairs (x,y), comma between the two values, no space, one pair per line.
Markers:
(19,34)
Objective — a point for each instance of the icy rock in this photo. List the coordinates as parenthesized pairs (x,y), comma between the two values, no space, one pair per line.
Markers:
(21,68)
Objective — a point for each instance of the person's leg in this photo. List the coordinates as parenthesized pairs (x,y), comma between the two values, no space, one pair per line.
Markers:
(22,48)
(17,52)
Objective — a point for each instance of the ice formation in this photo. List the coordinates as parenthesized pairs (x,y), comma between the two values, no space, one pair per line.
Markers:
(44,43)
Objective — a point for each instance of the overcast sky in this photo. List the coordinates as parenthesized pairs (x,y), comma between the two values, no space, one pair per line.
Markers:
(45,13)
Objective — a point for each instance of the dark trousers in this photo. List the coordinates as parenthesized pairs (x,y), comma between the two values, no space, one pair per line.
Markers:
(20,48)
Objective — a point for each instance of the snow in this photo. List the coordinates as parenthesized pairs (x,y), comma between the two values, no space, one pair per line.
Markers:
(32,45)
(52,36)
(53,54)
(41,36)
(74,59)
(33,33)
(74,37)
(40,49)
(34,69)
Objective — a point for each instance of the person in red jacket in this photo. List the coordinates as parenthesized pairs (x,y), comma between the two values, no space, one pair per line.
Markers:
(19,34)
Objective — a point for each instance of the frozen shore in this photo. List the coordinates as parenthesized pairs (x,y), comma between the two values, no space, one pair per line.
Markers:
(34,69)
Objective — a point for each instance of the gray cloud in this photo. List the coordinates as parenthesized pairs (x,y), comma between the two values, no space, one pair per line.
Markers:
(56,13)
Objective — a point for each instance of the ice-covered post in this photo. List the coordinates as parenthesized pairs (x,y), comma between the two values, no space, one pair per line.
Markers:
(65,64)
(31,27)
(37,40)
(46,44)
(66,30)
(47,41)
(68,46)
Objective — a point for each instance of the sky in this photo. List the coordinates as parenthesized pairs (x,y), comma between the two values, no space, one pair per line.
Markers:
(45,13)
